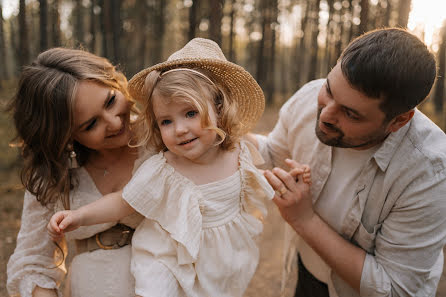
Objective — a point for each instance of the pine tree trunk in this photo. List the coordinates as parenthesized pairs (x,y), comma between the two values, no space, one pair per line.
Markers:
(403,13)
(43,12)
(23,35)
(55,23)
(216,14)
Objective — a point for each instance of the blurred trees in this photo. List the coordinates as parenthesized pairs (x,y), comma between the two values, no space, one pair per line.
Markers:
(283,43)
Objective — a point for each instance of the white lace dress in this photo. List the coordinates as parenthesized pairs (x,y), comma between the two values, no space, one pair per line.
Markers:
(100,273)
(196,240)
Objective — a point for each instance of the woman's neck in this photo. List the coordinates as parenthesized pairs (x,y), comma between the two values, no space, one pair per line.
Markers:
(110,156)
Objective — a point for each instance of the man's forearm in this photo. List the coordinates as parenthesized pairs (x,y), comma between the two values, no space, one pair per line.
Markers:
(346,259)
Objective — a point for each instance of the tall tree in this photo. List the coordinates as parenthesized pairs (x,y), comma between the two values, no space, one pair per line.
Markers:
(364,17)
(215,16)
(273,15)
(93,18)
(439,85)
(232,16)
(158,30)
(43,12)
(79,33)
(116,29)
(141,35)
(301,54)
(403,13)
(314,45)
(106,29)
(55,23)
(193,13)
(4,68)
(23,35)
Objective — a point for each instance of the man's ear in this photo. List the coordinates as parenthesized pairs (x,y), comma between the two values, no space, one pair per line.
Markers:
(400,120)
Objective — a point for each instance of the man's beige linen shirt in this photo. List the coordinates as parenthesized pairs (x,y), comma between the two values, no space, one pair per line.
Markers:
(398,215)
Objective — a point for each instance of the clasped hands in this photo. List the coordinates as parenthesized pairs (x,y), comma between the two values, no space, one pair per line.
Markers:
(293,196)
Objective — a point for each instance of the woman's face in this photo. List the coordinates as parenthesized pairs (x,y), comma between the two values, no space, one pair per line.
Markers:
(101,117)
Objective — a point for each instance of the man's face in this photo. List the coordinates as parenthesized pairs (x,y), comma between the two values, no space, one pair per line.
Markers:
(348,118)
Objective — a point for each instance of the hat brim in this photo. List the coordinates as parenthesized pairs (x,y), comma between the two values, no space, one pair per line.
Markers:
(240,84)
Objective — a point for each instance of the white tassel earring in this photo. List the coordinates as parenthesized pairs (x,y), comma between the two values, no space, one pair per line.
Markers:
(72,161)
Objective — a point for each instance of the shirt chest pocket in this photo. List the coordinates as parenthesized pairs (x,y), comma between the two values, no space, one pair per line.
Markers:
(366,239)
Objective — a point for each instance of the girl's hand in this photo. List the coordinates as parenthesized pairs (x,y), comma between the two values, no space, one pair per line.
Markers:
(293,197)
(63,221)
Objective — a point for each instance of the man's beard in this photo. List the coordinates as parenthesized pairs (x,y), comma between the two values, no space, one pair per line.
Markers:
(340,141)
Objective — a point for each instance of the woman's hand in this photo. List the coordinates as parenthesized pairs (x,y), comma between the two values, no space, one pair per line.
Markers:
(293,197)
(63,221)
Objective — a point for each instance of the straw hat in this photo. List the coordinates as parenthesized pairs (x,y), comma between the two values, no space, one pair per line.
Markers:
(200,53)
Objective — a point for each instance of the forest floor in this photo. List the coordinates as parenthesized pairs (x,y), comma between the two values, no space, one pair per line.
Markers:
(266,281)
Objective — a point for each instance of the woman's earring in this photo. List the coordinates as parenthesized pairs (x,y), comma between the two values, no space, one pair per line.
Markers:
(72,161)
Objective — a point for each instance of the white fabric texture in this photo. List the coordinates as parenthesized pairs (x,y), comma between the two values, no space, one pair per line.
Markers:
(196,240)
(98,273)
(398,211)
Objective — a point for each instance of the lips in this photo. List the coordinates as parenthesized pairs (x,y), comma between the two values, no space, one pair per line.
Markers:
(187,141)
(327,129)
(118,133)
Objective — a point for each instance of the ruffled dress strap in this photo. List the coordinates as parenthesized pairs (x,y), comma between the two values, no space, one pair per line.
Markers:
(161,194)
(255,186)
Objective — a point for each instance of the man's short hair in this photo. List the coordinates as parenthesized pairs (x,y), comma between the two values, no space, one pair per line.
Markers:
(392,65)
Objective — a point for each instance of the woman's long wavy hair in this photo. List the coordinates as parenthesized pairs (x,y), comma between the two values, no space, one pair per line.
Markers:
(42,111)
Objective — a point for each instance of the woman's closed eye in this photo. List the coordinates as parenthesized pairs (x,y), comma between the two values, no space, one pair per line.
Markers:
(111,101)
(91,125)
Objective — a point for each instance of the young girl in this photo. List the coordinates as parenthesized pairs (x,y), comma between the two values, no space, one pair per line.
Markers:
(196,194)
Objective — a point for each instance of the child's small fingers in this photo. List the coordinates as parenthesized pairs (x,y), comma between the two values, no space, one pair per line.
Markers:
(65,223)
(52,227)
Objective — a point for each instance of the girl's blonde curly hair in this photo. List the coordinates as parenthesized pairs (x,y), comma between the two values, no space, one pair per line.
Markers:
(193,88)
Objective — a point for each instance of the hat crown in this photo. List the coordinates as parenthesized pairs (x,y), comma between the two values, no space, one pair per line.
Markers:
(199,48)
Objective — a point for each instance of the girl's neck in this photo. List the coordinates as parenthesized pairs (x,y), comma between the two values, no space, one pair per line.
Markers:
(218,165)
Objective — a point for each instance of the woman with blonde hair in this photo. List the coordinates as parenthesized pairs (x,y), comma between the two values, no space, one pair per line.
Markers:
(72,116)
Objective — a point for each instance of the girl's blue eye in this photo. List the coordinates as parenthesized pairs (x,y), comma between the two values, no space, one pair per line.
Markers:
(91,125)
(165,122)
(191,114)
(111,100)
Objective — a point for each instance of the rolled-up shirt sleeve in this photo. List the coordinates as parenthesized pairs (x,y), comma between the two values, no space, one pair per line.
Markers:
(408,256)
(36,260)
(274,147)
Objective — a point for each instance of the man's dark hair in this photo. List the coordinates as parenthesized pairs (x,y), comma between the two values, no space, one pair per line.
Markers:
(392,65)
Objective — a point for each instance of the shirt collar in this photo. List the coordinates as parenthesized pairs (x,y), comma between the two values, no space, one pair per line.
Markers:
(388,148)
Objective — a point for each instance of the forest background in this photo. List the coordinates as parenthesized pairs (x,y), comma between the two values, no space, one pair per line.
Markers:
(282,43)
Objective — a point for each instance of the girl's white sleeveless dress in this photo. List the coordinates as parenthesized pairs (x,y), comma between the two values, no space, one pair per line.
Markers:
(196,240)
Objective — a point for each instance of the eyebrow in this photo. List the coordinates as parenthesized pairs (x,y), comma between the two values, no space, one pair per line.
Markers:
(109,94)
(327,86)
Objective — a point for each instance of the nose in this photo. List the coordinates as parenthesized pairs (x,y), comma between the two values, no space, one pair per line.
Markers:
(181,128)
(114,122)
(329,112)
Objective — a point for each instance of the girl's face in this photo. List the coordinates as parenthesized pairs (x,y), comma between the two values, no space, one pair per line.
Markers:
(101,117)
(181,131)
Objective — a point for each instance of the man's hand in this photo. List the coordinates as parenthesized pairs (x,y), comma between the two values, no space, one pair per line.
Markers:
(293,197)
